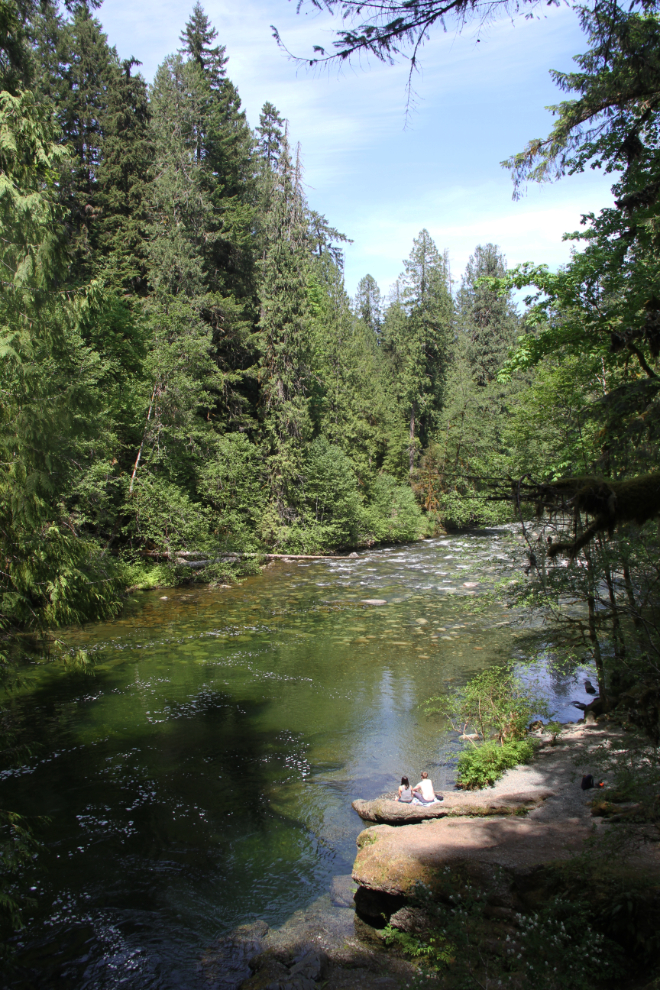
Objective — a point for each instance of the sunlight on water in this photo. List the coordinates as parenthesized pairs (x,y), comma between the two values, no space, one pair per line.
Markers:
(203,775)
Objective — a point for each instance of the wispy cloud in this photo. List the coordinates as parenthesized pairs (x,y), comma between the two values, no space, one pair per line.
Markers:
(374,177)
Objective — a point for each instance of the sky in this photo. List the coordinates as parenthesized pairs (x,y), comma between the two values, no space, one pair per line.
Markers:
(377,174)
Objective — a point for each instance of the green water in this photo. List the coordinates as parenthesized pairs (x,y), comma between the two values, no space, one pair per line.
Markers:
(202,777)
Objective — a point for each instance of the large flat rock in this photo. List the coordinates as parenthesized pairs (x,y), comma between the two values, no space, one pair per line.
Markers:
(393,859)
(386,810)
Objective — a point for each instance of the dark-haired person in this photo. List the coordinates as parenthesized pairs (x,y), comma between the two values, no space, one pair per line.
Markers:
(405,791)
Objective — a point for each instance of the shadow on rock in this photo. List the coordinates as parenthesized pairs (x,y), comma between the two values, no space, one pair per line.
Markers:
(307,967)
(227,965)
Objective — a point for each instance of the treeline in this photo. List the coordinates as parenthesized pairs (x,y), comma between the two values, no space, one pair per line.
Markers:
(182,369)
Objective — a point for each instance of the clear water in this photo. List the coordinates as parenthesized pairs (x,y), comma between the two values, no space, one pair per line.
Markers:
(203,776)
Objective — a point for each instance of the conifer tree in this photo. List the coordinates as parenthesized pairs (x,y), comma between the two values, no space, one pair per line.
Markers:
(489,320)
(231,171)
(324,239)
(270,134)
(14,57)
(284,326)
(368,303)
(19,35)
(196,39)
(225,144)
(123,182)
(417,329)
(350,399)
(51,412)
(78,73)
(183,220)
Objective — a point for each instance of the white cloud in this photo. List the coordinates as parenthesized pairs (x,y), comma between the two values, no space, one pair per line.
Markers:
(374,178)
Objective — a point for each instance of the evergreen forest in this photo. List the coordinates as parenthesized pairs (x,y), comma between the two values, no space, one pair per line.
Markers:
(187,385)
(184,375)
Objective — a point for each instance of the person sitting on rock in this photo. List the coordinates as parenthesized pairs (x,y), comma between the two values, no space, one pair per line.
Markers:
(405,791)
(424,792)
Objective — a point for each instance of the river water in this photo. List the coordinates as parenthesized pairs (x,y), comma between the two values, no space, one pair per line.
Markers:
(201,777)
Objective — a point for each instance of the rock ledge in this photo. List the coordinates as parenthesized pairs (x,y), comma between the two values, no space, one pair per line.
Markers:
(386,810)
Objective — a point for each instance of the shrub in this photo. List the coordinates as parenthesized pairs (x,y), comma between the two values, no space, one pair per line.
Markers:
(496,702)
(333,501)
(393,513)
(479,766)
(57,579)
(561,945)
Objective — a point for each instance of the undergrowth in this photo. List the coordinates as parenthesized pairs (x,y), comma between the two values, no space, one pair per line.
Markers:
(555,947)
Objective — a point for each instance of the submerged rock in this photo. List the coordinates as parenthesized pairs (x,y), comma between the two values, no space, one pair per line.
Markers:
(310,968)
(342,890)
(227,964)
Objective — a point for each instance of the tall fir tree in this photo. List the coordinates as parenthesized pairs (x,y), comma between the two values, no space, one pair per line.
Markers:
(487,319)
(183,219)
(123,182)
(368,305)
(270,133)
(197,38)
(88,72)
(417,331)
(284,328)
(230,162)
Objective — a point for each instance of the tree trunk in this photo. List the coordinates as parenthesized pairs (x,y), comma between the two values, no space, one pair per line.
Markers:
(411,447)
(617,631)
(593,631)
(139,453)
(630,594)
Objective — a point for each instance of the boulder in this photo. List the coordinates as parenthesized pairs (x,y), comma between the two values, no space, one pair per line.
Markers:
(386,810)
(395,860)
(351,967)
(313,965)
(227,963)
(412,920)
(342,890)
(305,971)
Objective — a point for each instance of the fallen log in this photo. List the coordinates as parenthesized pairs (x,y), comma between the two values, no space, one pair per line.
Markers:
(180,556)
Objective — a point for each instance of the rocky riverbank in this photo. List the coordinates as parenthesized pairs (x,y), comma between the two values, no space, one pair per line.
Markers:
(326,945)
(497,842)
(500,841)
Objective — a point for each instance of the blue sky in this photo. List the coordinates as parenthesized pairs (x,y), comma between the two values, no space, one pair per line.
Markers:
(376,176)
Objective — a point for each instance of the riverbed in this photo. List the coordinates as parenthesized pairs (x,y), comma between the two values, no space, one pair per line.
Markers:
(198,773)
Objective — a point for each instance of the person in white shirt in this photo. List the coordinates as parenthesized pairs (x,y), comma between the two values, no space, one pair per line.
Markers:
(424,790)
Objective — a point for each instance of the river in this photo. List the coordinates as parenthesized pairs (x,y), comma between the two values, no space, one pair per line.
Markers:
(201,775)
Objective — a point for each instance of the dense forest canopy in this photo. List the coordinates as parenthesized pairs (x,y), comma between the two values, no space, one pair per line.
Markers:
(184,377)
